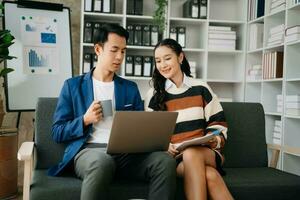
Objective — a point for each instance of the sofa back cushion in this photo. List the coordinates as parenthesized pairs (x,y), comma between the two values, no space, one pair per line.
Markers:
(48,153)
(246,142)
(245,146)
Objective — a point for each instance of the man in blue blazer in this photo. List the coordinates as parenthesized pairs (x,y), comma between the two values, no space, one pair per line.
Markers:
(79,123)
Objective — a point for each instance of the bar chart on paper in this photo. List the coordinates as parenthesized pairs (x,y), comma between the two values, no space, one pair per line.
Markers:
(36,60)
(40,60)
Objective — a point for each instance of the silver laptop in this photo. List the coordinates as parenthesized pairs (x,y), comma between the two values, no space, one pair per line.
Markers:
(141,131)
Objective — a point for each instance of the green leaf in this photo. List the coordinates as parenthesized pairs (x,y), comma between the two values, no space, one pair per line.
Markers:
(7,38)
(1,6)
(5,71)
(3,33)
(6,45)
(6,57)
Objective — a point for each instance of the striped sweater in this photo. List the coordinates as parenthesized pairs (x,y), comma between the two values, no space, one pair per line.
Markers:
(199,110)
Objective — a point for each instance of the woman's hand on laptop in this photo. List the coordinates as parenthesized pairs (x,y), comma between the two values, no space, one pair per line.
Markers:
(172,150)
(93,114)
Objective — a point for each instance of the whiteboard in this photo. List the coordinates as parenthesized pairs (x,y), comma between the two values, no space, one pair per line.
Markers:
(43,50)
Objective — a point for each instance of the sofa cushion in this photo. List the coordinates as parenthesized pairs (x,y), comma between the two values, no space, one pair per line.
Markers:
(262,183)
(246,143)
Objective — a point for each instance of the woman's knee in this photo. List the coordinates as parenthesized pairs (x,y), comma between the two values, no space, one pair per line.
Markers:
(192,153)
(212,175)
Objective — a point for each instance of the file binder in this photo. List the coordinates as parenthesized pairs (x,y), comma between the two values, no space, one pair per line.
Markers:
(203,9)
(191,9)
(138,66)
(146,35)
(138,35)
(173,33)
(138,7)
(131,34)
(96,30)
(87,32)
(97,7)
(95,60)
(88,5)
(86,62)
(108,6)
(129,66)
(130,7)
(181,36)
(154,35)
(147,63)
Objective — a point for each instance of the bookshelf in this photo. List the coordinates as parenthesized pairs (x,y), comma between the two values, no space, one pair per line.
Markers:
(223,70)
(266,90)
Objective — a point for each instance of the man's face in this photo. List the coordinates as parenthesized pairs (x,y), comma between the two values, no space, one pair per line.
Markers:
(111,54)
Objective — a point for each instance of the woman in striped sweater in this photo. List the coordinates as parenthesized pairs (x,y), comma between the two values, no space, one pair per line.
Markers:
(199,113)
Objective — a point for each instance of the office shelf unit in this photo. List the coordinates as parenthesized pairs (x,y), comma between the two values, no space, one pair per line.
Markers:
(266,91)
(223,70)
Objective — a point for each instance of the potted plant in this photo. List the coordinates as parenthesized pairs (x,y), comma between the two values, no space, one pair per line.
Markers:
(6,40)
(160,14)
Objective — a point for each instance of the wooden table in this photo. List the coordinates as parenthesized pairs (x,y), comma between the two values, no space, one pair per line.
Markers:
(8,162)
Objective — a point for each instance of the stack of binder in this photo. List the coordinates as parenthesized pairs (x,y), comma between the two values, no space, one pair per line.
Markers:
(195,9)
(221,38)
(292,105)
(142,35)
(292,33)
(105,6)
(135,7)
(276,35)
(89,61)
(91,31)
(141,66)
(178,34)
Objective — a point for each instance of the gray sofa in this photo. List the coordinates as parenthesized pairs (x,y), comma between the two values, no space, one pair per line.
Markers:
(247,173)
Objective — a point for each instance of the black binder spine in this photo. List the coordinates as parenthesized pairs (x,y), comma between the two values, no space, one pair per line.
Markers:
(203,9)
(138,35)
(147,66)
(86,62)
(130,7)
(138,7)
(88,5)
(95,60)
(154,35)
(97,5)
(181,39)
(88,34)
(96,30)
(129,66)
(146,35)
(108,6)
(173,33)
(138,66)
(130,30)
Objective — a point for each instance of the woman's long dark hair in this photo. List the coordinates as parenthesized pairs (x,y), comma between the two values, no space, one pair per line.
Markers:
(158,81)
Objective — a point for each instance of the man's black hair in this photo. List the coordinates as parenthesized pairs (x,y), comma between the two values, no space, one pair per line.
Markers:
(105,29)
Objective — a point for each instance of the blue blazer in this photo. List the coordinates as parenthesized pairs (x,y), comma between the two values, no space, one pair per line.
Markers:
(75,98)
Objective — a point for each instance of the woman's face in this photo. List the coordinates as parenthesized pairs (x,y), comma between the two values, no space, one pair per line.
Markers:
(167,62)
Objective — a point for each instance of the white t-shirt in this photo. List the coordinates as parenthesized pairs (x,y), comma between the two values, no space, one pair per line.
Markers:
(101,129)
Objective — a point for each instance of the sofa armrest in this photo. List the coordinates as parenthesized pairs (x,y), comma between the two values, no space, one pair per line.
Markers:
(275,154)
(25,154)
